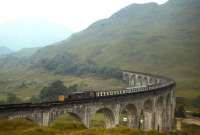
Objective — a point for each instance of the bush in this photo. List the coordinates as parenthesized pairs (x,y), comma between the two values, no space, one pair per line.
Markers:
(196,102)
(66,65)
(180,111)
(57,88)
(196,114)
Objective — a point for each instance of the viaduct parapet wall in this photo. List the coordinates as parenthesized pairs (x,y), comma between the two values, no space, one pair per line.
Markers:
(148,101)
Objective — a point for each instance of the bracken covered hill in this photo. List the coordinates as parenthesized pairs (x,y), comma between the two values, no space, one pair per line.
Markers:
(152,38)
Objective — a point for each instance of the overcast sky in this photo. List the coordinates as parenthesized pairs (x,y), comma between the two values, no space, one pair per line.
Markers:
(74,14)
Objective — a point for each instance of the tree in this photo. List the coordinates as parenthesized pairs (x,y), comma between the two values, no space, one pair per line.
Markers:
(196,102)
(180,111)
(57,88)
(72,88)
(52,92)
(2,102)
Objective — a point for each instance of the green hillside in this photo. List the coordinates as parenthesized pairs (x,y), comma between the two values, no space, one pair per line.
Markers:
(26,52)
(149,34)
(153,38)
(159,39)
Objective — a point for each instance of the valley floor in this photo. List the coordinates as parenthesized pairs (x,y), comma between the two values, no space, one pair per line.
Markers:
(26,83)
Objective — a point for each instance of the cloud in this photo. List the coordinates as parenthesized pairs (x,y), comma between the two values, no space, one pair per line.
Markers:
(75,14)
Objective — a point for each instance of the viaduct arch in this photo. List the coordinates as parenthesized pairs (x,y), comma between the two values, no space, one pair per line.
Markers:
(132,115)
(148,101)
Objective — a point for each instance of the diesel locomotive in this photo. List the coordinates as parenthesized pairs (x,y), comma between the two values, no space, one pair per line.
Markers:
(77,95)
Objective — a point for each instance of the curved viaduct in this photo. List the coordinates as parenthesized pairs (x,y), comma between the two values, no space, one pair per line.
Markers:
(149,102)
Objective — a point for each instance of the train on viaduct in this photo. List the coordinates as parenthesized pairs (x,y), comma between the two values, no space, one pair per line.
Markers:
(148,101)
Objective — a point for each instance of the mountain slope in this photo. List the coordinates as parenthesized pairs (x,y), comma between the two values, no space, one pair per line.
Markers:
(152,38)
(161,39)
(149,35)
(26,52)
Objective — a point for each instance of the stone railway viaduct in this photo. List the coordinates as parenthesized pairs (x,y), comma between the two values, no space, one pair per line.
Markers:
(148,102)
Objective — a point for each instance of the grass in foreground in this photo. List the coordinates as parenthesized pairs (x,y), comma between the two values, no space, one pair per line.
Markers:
(25,127)
(191,129)
(67,122)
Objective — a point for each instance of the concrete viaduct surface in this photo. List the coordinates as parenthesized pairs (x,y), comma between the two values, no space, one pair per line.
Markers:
(148,101)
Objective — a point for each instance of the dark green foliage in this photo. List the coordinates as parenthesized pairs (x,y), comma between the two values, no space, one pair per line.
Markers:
(180,111)
(53,91)
(12,98)
(196,114)
(57,63)
(2,102)
(67,65)
(57,88)
(196,102)
(106,72)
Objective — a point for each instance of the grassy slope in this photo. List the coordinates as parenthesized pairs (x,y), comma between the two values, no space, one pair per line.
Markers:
(26,83)
(149,38)
(24,127)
